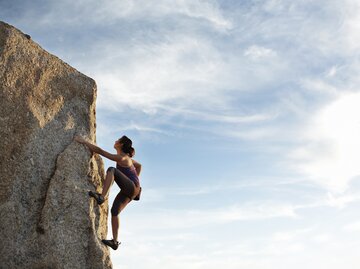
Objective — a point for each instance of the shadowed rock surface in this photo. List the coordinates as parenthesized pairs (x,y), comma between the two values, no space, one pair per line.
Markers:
(47,218)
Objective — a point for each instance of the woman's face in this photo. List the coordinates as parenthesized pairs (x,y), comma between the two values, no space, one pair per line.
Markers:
(117,145)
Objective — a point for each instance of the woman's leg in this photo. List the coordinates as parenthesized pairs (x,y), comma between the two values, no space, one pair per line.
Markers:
(115,222)
(119,204)
(109,179)
(128,190)
(126,185)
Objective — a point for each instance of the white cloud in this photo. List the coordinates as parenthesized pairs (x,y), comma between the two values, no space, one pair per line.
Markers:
(351,26)
(331,149)
(223,117)
(340,201)
(135,126)
(257,52)
(183,70)
(332,72)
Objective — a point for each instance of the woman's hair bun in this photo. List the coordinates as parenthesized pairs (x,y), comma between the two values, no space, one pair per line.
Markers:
(132,152)
(127,145)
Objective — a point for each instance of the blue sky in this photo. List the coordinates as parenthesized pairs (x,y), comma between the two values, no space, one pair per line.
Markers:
(244,115)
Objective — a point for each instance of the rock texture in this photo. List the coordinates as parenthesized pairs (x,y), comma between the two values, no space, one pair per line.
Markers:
(47,218)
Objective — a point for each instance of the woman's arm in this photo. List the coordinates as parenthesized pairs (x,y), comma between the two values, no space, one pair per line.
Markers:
(98,150)
(137,167)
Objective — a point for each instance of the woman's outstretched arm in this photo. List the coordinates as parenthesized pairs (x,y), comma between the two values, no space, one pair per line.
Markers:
(98,150)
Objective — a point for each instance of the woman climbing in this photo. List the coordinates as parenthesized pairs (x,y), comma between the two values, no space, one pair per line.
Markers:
(126,175)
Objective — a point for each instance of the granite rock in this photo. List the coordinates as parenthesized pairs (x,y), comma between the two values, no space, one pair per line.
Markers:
(47,218)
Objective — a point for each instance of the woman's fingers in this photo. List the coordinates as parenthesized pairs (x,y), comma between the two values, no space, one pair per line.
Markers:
(79,139)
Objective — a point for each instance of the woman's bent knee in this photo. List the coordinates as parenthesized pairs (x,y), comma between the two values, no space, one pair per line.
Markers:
(115,211)
(119,204)
(111,170)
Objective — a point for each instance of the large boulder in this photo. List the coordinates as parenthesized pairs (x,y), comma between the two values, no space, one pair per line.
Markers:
(46,217)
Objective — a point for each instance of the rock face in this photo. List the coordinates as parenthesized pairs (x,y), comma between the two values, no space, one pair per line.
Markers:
(46,217)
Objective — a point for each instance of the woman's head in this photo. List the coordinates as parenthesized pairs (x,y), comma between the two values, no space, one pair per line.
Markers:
(126,146)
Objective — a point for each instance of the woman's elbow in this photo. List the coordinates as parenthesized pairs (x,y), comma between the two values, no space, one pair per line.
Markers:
(136,164)
(137,167)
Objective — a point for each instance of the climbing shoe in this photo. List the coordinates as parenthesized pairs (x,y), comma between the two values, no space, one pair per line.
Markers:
(99,199)
(111,243)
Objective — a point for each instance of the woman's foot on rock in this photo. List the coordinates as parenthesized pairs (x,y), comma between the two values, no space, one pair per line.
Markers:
(99,199)
(111,243)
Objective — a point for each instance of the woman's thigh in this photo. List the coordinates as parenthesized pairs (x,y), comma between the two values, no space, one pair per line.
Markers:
(126,185)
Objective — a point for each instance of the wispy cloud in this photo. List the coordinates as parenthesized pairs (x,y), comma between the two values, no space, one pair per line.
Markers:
(85,12)
(218,116)
(131,126)
(257,52)
(173,219)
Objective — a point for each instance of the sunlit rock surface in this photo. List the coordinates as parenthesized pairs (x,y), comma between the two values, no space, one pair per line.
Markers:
(46,217)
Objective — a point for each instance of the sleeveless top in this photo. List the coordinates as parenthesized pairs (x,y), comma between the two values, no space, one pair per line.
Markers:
(130,172)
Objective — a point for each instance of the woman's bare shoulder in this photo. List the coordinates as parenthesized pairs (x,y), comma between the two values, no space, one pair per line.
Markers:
(125,161)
